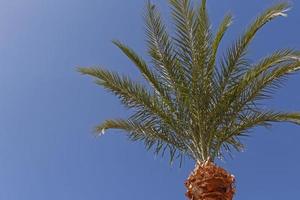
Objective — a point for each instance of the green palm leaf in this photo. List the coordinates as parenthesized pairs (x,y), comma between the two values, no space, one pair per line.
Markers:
(198,104)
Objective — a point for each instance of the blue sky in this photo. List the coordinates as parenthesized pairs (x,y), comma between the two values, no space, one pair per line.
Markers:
(47,109)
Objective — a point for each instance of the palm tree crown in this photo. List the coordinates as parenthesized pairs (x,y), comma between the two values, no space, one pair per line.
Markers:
(197,104)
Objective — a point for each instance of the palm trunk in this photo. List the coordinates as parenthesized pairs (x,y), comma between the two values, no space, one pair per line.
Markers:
(210,182)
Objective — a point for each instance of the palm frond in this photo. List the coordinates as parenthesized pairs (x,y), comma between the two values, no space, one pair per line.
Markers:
(186,30)
(131,94)
(141,65)
(161,51)
(256,80)
(234,61)
(203,46)
(148,74)
(244,97)
(268,82)
(227,21)
(154,137)
(245,123)
(261,118)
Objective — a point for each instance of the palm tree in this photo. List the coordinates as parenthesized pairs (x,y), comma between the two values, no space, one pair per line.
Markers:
(196,104)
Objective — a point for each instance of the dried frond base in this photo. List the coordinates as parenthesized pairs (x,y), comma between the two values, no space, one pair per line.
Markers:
(210,182)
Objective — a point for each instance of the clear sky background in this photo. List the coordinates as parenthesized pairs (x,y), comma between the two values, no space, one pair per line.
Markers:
(47,109)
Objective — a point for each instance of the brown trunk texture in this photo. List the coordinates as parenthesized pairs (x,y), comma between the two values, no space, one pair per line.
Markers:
(210,182)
